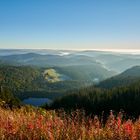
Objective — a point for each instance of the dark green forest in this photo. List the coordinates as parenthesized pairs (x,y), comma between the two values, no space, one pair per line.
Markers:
(126,78)
(27,81)
(96,101)
(121,92)
(7,99)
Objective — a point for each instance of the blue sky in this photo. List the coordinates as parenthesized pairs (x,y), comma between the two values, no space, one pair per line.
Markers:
(70,24)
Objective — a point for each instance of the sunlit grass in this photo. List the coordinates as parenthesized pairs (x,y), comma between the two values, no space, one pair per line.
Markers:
(51,75)
(30,123)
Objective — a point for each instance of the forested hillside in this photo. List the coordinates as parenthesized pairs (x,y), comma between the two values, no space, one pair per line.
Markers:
(27,81)
(7,99)
(96,101)
(128,77)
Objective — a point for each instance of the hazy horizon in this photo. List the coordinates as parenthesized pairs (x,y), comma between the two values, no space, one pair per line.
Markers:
(128,51)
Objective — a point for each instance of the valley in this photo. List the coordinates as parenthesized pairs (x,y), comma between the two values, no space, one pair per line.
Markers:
(56,83)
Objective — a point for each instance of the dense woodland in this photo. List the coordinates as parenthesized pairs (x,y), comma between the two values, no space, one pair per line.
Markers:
(129,76)
(8,100)
(27,81)
(96,101)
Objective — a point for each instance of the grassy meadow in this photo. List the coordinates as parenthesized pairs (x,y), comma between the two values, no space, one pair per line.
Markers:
(28,123)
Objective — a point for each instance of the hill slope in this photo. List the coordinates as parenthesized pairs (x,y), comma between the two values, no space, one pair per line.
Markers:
(96,101)
(27,81)
(129,76)
(48,60)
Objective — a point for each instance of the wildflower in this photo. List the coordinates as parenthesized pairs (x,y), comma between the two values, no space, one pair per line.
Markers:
(119,122)
(40,118)
(128,127)
(30,126)
(50,135)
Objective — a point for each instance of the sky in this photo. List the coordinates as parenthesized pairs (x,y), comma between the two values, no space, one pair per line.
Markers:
(70,24)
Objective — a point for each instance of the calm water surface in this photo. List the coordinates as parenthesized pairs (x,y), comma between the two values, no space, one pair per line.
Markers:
(37,101)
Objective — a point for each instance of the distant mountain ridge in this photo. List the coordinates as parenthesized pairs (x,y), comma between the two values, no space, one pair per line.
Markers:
(48,60)
(114,61)
(77,67)
(129,76)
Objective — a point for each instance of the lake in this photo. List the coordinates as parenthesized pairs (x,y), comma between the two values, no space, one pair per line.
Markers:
(37,101)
